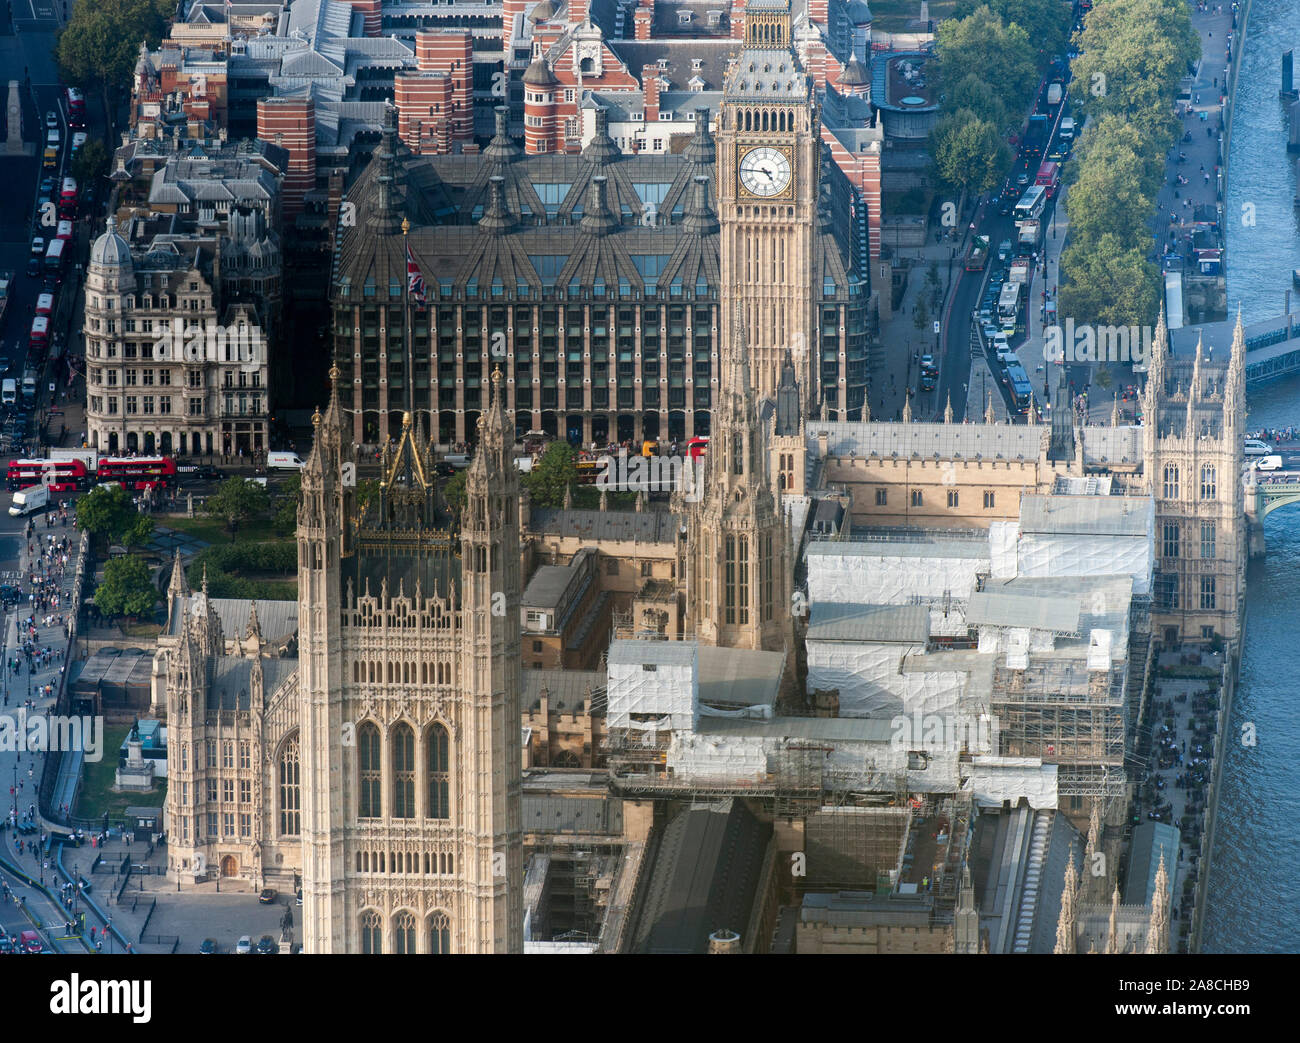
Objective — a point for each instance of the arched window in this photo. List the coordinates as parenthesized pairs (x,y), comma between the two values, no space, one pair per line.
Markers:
(369,764)
(439,934)
(290,792)
(403,772)
(1171,481)
(1209,485)
(372,933)
(439,769)
(404,934)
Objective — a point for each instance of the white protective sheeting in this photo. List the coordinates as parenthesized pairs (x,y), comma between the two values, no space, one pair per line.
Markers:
(871,575)
(878,766)
(761,712)
(733,758)
(1003,536)
(871,682)
(1078,554)
(992,780)
(656,678)
(948,623)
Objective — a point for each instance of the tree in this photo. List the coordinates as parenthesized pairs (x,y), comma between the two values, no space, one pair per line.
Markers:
(970,92)
(1133,57)
(285,518)
(454,492)
(236,500)
(90,163)
(1046,22)
(100,44)
(1002,54)
(552,475)
(922,315)
(108,514)
(126,589)
(1109,283)
(969,152)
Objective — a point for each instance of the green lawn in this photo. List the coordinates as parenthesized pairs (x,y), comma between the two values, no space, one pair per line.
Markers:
(213,530)
(95,795)
(893,16)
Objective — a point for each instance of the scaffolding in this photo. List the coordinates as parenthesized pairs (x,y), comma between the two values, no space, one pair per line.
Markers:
(1065,714)
(791,781)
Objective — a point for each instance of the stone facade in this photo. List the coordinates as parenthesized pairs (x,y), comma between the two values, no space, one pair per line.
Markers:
(170,366)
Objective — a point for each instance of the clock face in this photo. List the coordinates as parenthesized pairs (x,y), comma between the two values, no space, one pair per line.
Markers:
(765,171)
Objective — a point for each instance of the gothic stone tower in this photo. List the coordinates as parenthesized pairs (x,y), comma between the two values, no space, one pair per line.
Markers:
(769,157)
(410,712)
(1196,416)
(738,568)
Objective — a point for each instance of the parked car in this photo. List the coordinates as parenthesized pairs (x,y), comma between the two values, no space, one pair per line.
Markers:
(266,945)
(6,944)
(208,947)
(1004,250)
(268,895)
(245,944)
(51,121)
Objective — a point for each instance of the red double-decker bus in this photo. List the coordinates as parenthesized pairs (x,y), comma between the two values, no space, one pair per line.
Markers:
(1049,176)
(138,472)
(62,476)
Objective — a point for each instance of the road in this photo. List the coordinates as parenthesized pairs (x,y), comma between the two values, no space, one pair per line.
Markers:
(967,289)
(26,49)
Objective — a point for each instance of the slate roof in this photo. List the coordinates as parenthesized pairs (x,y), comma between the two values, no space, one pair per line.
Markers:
(703,878)
(614,526)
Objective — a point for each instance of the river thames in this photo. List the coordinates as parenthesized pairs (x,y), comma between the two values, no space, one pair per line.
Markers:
(1255,862)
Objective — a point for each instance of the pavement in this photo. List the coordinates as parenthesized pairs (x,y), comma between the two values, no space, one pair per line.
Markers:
(894,366)
(1203,121)
(1188,759)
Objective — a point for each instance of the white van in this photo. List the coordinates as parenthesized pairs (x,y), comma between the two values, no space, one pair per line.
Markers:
(9,396)
(1270,463)
(284,462)
(1254,447)
(28,500)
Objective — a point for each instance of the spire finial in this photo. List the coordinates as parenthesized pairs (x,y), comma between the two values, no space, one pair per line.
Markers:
(947,410)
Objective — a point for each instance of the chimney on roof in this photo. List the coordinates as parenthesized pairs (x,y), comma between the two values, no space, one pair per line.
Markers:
(642,19)
(650,87)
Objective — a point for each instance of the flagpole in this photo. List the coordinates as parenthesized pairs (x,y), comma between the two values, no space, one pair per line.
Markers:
(410,333)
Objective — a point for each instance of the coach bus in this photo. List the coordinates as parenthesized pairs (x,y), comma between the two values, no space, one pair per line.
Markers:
(1030,207)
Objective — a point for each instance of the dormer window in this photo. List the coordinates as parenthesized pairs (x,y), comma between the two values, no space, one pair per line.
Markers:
(697,64)
(663,64)
(683,17)
(715,17)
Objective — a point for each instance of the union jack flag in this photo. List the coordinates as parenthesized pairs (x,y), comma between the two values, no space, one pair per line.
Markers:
(414,279)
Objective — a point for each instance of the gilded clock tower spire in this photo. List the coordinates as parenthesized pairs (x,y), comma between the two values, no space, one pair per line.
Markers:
(768,176)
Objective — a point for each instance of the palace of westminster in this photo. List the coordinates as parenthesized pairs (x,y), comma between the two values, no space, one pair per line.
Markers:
(605,730)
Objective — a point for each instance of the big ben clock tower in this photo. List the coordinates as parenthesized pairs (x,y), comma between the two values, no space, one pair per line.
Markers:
(769,158)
